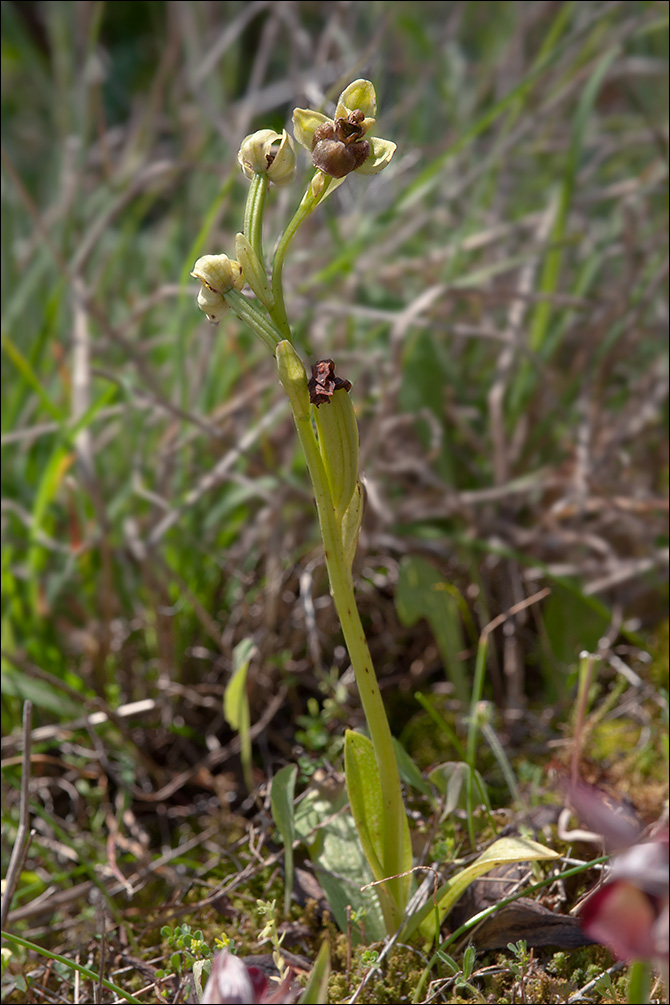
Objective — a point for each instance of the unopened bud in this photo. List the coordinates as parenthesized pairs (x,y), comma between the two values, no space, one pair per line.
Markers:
(270,153)
(218,274)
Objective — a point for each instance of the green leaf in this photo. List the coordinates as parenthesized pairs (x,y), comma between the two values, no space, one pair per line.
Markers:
(508,849)
(451,780)
(639,982)
(253,270)
(409,772)
(572,624)
(14,683)
(24,367)
(236,704)
(337,430)
(365,797)
(281,802)
(372,824)
(200,967)
(422,593)
(341,866)
(316,989)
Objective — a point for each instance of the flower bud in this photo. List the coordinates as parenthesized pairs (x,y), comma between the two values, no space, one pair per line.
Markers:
(254,273)
(259,154)
(218,274)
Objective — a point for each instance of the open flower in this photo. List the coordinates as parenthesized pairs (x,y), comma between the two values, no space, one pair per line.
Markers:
(232,982)
(270,153)
(346,143)
(630,912)
(218,274)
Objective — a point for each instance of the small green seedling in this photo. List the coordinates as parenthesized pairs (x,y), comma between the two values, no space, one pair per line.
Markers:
(188,947)
(462,974)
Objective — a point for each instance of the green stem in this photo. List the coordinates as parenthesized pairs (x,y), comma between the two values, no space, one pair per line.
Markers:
(294,379)
(247,311)
(473,731)
(253,213)
(342,590)
(639,982)
(308,205)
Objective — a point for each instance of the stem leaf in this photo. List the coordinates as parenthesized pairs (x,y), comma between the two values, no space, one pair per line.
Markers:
(351,524)
(372,823)
(338,442)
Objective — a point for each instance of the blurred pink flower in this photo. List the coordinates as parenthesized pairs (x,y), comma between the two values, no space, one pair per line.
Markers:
(629,913)
(232,982)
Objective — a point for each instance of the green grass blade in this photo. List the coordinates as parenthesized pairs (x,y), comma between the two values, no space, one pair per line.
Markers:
(91,975)
(281,802)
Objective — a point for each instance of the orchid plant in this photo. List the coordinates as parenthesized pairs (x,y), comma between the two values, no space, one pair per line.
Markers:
(327,430)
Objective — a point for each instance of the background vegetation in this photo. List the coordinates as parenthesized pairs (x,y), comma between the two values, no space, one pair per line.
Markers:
(497,298)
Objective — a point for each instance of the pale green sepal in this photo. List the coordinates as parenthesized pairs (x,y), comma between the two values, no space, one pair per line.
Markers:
(305,123)
(359,94)
(253,271)
(294,379)
(351,525)
(381,152)
(337,430)
(323,185)
(252,155)
(283,168)
(257,156)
